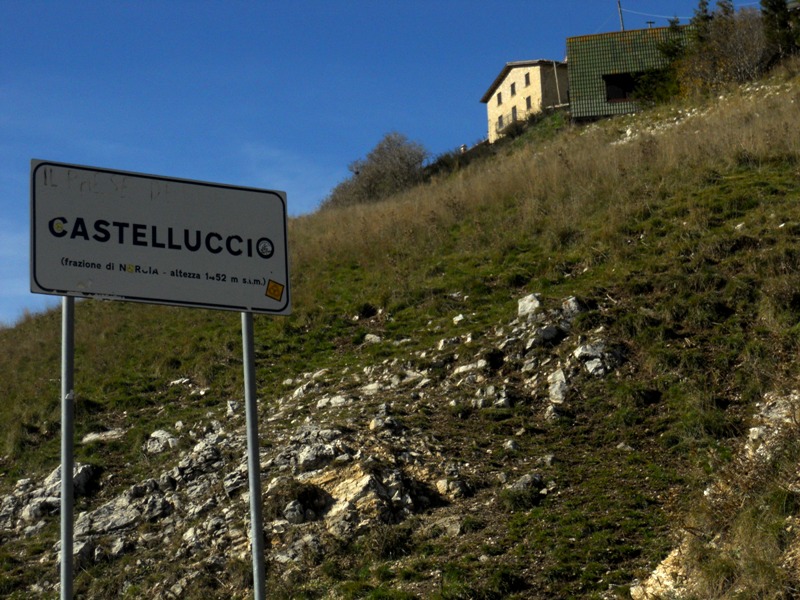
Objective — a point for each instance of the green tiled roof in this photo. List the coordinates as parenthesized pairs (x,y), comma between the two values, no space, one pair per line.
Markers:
(590,57)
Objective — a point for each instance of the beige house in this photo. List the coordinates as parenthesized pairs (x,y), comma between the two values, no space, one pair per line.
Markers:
(524,88)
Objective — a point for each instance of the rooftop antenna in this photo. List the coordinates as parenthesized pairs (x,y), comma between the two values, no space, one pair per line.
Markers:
(621,22)
(650,24)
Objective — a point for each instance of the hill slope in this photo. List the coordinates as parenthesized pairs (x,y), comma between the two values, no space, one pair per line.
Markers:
(426,435)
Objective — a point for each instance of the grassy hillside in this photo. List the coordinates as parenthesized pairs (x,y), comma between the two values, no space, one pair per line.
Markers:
(677,227)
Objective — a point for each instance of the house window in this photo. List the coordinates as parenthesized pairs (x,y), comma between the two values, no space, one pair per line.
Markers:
(499,122)
(620,87)
(527,79)
(513,89)
(499,98)
(528,104)
(513,113)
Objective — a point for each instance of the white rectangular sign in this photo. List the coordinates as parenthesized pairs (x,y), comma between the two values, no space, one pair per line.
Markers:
(119,235)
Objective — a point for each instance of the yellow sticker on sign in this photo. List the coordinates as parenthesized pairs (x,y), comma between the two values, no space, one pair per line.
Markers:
(274,290)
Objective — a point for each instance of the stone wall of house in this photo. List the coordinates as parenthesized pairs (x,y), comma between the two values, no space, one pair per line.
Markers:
(516,98)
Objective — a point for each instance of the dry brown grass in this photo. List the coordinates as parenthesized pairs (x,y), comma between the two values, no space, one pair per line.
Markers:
(596,176)
(597,179)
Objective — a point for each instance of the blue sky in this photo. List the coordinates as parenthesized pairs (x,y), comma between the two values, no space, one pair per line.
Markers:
(274,94)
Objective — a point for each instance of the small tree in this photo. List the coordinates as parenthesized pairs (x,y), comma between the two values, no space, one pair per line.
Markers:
(727,47)
(661,85)
(701,22)
(394,165)
(779,34)
(725,9)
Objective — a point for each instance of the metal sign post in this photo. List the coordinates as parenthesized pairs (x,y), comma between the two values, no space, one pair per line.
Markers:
(67,441)
(253,457)
(117,235)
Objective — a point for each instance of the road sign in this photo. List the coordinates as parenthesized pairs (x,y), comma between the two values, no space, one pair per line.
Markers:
(128,236)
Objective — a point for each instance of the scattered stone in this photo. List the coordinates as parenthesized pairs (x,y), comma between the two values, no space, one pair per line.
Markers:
(549,335)
(334,402)
(481,364)
(338,401)
(571,308)
(103,436)
(372,388)
(160,441)
(448,526)
(594,358)
(529,305)
(83,552)
(595,367)
(39,507)
(444,342)
(557,391)
(589,351)
(548,460)
(527,482)
(553,412)
(83,476)
(452,488)
(294,512)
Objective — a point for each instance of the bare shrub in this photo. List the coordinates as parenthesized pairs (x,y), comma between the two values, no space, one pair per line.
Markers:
(394,165)
(730,49)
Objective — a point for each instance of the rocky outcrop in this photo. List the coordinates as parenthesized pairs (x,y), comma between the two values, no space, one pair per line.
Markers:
(26,509)
(772,427)
(324,482)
